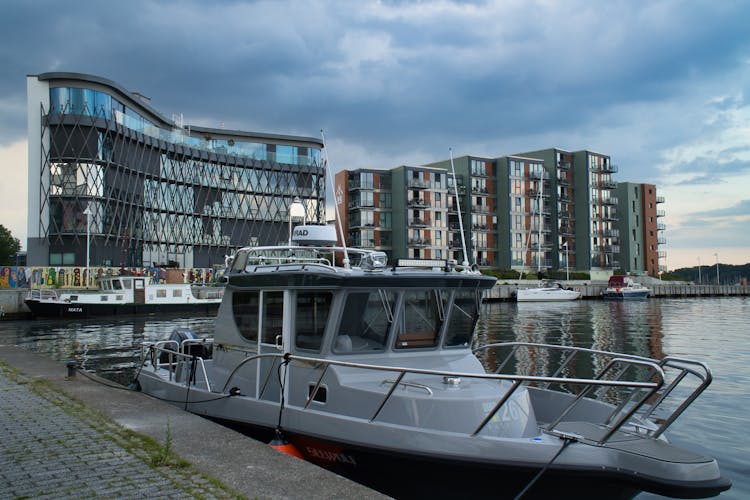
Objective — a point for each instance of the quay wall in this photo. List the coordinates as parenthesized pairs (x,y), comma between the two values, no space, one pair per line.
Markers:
(503,291)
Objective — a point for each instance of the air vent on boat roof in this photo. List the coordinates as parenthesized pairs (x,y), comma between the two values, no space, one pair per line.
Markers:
(316,236)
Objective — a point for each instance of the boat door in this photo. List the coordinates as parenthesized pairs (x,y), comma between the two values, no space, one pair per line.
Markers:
(271,341)
(139,291)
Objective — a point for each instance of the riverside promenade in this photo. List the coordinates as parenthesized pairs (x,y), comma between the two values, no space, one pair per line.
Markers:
(76,438)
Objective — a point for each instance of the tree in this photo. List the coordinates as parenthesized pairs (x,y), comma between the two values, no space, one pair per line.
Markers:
(9,247)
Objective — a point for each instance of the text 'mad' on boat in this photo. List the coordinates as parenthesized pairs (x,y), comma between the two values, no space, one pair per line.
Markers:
(368,370)
(124,295)
(621,287)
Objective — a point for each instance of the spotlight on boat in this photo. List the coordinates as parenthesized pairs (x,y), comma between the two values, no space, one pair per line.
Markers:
(374,261)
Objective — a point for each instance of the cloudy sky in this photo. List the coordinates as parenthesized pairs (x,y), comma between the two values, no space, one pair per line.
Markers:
(661,86)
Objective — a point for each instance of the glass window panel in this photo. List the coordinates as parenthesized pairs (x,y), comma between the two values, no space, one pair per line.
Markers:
(311,318)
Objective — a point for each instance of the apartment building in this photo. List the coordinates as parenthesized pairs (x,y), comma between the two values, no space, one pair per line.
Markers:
(640,228)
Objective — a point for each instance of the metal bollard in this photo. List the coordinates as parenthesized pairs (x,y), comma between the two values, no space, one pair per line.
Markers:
(71,369)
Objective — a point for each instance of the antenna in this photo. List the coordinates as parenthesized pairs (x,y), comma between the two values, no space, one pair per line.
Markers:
(336,202)
(465,263)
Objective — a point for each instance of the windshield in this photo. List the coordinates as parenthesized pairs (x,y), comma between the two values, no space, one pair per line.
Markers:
(419,324)
(463,318)
(365,322)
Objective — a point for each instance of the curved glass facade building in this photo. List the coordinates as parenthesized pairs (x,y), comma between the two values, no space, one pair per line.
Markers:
(142,190)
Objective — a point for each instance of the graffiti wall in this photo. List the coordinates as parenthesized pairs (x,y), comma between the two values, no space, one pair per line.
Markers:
(79,277)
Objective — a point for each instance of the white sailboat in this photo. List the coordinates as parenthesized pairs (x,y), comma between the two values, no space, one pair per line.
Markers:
(547,290)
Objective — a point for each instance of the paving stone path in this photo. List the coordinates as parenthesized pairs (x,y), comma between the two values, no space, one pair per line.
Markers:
(51,446)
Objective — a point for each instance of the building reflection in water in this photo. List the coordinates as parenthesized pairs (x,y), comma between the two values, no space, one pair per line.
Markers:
(108,347)
(624,327)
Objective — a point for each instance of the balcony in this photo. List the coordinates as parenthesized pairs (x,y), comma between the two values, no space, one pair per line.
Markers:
(661,213)
(480,209)
(660,226)
(663,268)
(418,184)
(564,181)
(611,248)
(356,205)
(660,199)
(461,190)
(661,240)
(612,200)
(533,193)
(607,184)
(415,222)
(479,227)
(355,185)
(565,231)
(606,168)
(564,165)
(417,203)
(542,174)
(609,233)
(479,191)
(662,254)
(419,242)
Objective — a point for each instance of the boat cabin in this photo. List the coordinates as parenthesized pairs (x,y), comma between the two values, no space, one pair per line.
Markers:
(304,305)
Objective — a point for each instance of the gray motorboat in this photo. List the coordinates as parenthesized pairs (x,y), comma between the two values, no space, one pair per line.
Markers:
(369,370)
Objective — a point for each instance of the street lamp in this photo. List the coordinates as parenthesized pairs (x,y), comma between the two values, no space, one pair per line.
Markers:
(297,210)
(717,267)
(87,213)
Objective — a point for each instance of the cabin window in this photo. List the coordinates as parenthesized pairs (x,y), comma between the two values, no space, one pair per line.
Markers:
(311,318)
(128,284)
(463,318)
(365,322)
(273,316)
(245,310)
(176,293)
(117,285)
(421,319)
(161,293)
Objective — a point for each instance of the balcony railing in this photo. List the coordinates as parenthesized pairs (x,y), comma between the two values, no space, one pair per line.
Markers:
(417,203)
(661,240)
(419,242)
(660,199)
(605,184)
(415,222)
(612,200)
(418,184)
(480,227)
(353,185)
(607,168)
(660,226)
(480,209)
(661,213)
(662,254)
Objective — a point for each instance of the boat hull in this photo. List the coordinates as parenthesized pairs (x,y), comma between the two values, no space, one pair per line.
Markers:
(419,464)
(547,295)
(625,295)
(50,309)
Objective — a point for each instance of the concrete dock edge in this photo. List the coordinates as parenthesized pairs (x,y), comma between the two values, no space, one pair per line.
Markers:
(250,468)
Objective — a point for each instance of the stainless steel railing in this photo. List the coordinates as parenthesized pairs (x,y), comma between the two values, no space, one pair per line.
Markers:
(643,397)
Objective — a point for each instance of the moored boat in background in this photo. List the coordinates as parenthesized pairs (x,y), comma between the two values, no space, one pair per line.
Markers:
(125,295)
(621,287)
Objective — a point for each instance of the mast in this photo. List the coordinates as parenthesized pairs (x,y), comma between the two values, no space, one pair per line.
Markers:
(329,174)
(465,263)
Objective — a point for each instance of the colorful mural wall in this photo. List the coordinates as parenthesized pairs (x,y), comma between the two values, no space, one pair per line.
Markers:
(78,277)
